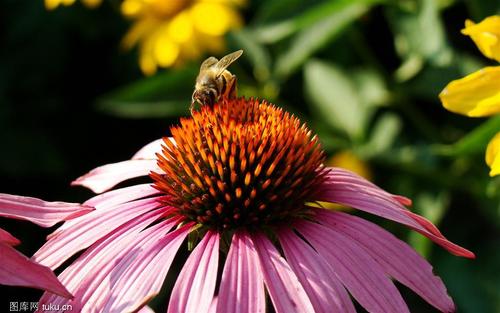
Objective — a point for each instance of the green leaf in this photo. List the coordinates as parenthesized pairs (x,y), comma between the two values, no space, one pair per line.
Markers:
(165,94)
(371,87)
(158,109)
(419,35)
(282,29)
(384,133)
(475,142)
(335,97)
(316,36)
(255,52)
(345,101)
(473,284)
(272,11)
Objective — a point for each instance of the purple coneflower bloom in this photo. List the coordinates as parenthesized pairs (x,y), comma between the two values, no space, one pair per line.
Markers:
(239,181)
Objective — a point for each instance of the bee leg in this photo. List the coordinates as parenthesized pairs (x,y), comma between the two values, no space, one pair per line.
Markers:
(232,90)
(191,107)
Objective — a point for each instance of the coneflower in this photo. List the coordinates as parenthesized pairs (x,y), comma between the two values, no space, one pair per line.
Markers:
(239,181)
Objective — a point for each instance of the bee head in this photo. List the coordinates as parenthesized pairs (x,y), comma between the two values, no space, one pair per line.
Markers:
(205,96)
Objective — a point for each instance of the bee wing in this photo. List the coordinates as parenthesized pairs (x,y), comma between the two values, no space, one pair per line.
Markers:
(224,63)
(208,63)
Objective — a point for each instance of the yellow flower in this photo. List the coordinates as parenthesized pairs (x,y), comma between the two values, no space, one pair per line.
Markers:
(493,155)
(170,32)
(52,4)
(475,95)
(486,35)
(478,94)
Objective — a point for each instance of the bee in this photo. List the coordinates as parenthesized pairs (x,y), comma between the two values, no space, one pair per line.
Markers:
(215,81)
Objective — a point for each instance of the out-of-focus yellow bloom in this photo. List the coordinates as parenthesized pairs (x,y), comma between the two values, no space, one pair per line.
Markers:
(52,4)
(170,32)
(478,94)
(493,155)
(486,35)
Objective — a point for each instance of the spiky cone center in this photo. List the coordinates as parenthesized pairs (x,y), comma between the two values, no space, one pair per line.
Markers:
(240,163)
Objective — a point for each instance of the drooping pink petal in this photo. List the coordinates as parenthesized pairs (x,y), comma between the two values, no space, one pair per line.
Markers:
(285,290)
(351,190)
(107,176)
(40,212)
(142,279)
(242,285)
(396,258)
(89,229)
(321,284)
(334,172)
(18,270)
(8,239)
(91,276)
(356,269)
(194,289)
(149,151)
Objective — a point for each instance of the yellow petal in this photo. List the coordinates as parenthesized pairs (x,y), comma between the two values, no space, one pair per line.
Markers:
(180,29)
(214,19)
(166,51)
(493,155)
(477,94)
(486,35)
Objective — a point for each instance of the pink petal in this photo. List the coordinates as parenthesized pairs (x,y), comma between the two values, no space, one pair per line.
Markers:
(120,196)
(358,271)
(396,258)
(195,285)
(285,290)
(141,280)
(91,275)
(149,151)
(213,305)
(18,270)
(88,229)
(242,286)
(40,212)
(321,284)
(111,199)
(351,190)
(8,239)
(146,309)
(107,176)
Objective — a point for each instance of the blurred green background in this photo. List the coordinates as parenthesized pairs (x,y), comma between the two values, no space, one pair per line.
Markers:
(364,74)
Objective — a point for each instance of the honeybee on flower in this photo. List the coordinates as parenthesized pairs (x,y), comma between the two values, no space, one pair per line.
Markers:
(215,81)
